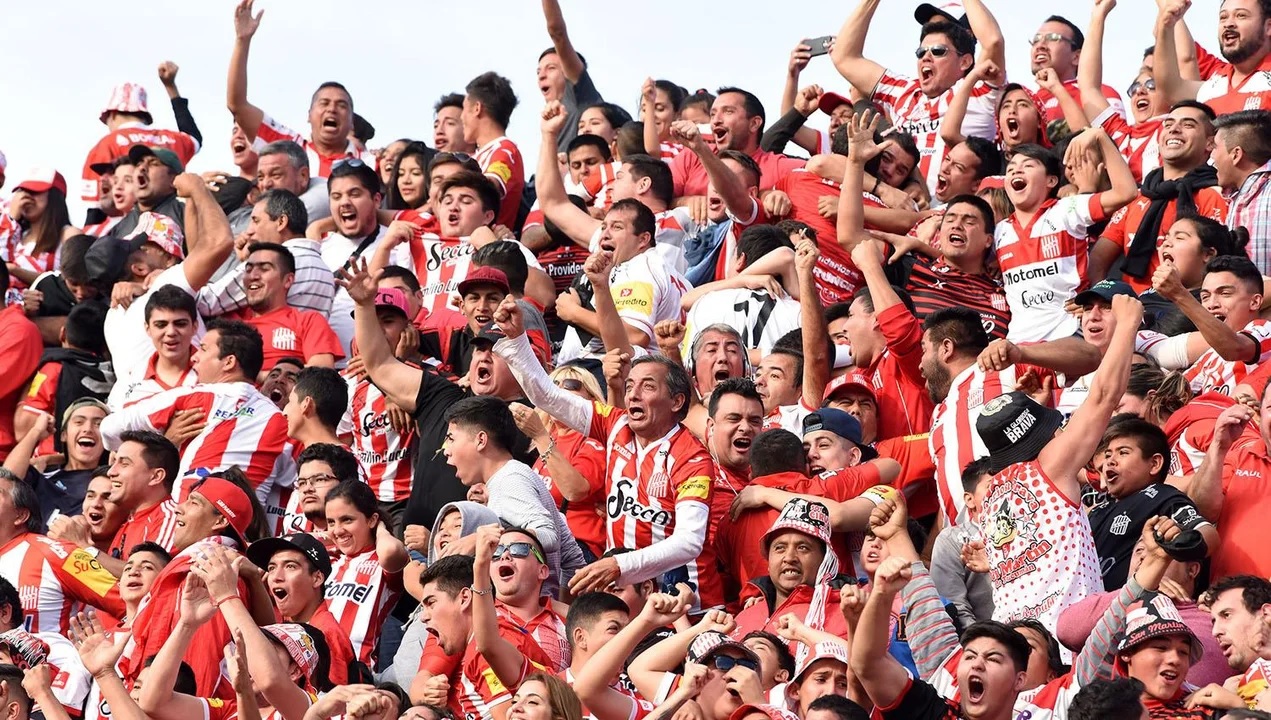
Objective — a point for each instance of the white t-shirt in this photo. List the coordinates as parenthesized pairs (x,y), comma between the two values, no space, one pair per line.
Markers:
(130,345)
(756,314)
(336,251)
(645,292)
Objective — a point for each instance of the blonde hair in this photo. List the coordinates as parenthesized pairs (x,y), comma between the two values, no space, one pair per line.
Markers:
(573,372)
(561,697)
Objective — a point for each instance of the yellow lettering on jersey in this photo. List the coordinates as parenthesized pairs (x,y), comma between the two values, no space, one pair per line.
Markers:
(880,494)
(492,682)
(915,438)
(36,383)
(214,702)
(501,170)
(634,296)
(697,487)
(602,409)
(87,570)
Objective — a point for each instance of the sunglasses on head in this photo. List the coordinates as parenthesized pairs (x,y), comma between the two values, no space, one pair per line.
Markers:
(351,162)
(570,384)
(1148,84)
(519,550)
(724,663)
(937,51)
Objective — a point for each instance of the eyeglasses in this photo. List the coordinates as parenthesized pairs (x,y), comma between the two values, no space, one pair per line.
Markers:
(937,51)
(1148,84)
(519,550)
(570,384)
(724,663)
(313,480)
(1050,37)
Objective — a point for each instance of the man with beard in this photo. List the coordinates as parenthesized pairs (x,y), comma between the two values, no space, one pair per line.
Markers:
(330,110)
(1241,609)
(268,274)
(953,339)
(426,396)
(1185,185)
(154,186)
(1244,39)
(296,569)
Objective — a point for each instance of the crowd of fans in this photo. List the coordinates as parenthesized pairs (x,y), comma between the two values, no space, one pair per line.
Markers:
(966,415)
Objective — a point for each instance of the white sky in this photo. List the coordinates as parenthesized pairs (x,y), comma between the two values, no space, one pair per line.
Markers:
(60,58)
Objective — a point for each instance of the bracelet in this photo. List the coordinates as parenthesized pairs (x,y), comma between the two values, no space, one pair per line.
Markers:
(547,454)
(877,182)
(216,604)
(481,592)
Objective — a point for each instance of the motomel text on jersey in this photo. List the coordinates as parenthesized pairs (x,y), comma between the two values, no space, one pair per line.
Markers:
(1030,273)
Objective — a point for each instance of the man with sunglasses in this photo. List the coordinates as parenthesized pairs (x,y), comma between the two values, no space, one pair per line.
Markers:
(518,570)
(946,54)
(1057,45)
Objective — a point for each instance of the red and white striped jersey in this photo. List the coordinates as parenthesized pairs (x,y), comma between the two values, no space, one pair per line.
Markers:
(479,689)
(129,389)
(1253,93)
(1044,265)
(320,165)
(640,708)
(1050,103)
(500,160)
(1191,429)
(361,595)
(913,112)
(103,227)
(1140,144)
(1041,552)
(647,484)
(668,150)
(115,144)
(10,235)
(1213,374)
(953,441)
(548,630)
(244,429)
(442,263)
(675,227)
(156,524)
(55,579)
(26,258)
(387,459)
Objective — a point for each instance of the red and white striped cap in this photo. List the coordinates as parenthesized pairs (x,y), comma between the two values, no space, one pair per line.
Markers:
(127,98)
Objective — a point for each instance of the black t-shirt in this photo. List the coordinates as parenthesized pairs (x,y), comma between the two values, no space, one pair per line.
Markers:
(58,299)
(920,701)
(62,492)
(435,484)
(1117,525)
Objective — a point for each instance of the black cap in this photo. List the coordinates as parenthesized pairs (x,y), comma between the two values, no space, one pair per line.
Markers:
(261,551)
(1015,428)
(927,12)
(490,332)
(1105,290)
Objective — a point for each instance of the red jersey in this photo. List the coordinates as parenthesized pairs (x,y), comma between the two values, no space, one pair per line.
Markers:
(1212,372)
(115,145)
(1191,429)
(244,429)
(1140,144)
(548,630)
(691,179)
(757,616)
(1246,490)
(41,399)
(156,524)
(320,165)
(19,356)
(904,406)
(917,469)
(337,642)
(479,689)
(586,517)
(1125,223)
(837,278)
(1051,104)
(500,160)
(386,458)
(55,579)
(646,486)
(289,332)
(361,595)
(1251,93)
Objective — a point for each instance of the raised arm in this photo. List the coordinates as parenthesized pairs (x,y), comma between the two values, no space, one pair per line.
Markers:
(391,552)
(849,48)
(397,380)
(248,116)
(731,189)
(816,352)
(1206,489)
(157,698)
(571,63)
(648,104)
(1074,115)
(1071,356)
(180,106)
(1086,148)
(951,125)
(614,333)
(594,681)
(568,408)
(1171,86)
(882,676)
(1090,69)
(1071,449)
(986,31)
(505,660)
(1210,331)
(804,100)
(208,234)
(575,223)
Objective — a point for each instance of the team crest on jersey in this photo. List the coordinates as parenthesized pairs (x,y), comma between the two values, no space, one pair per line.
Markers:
(998,301)
(993,406)
(284,339)
(1050,247)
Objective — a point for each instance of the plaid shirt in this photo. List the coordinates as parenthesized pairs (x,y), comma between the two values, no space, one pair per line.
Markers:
(1251,209)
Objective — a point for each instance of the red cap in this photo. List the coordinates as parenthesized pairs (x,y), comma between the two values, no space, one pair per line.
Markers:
(40,180)
(230,501)
(772,711)
(831,100)
(485,276)
(856,379)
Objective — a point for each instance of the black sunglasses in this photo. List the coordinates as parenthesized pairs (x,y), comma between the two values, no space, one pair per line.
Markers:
(570,384)
(351,162)
(724,663)
(937,51)
(519,550)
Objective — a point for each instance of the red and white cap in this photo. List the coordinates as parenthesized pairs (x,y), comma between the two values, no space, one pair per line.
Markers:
(772,711)
(855,379)
(162,231)
(821,651)
(230,501)
(127,98)
(41,180)
(298,644)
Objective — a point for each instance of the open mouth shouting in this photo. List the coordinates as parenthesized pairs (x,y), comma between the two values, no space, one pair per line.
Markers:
(974,690)
(956,239)
(1142,104)
(1018,183)
(636,411)
(926,71)
(1229,37)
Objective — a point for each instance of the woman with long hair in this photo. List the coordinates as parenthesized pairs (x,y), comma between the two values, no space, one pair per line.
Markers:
(369,557)
(39,209)
(545,697)
(408,181)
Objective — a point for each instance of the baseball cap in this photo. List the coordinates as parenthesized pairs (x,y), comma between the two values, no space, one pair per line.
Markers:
(830,101)
(1154,615)
(840,423)
(393,299)
(25,649)
(158,229)
(82,402)
(127,98)
(710,643)
(137,153)
(42,180)
(230,501)
(262,550)
(490,332)
(484,276)
(1015,428)
(106,168)
(928,12)
(821,651)
(854,379)
(772,711)
(298,644)
(804,516)
(1105,290)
